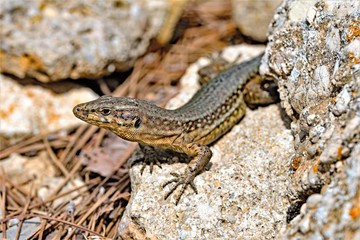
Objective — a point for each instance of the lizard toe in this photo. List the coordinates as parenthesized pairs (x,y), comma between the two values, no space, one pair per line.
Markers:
(180,180)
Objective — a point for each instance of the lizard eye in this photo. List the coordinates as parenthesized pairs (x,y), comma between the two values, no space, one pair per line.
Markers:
(105,111)
(137,123)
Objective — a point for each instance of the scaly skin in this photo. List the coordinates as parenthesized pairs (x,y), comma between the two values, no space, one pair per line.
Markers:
(210,113)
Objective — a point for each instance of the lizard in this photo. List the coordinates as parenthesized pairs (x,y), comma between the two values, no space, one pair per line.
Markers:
(188,130)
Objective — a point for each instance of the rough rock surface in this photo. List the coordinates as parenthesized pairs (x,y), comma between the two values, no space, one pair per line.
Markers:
(242,195)
(29,110)
(334,213)
(53,40)
(314,54)
(254,16)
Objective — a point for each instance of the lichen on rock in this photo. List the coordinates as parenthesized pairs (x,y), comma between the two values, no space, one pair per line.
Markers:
(314,54)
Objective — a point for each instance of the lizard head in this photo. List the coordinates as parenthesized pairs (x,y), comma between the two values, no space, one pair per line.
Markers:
(123,116)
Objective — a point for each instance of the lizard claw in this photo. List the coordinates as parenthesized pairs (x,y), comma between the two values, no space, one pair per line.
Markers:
(184,180)
(150,161)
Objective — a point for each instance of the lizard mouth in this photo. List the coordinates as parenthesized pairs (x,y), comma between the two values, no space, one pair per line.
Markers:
(92,118)
(88,115)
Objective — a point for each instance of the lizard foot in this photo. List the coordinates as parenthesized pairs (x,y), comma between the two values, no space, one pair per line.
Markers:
(184,180)
(150,161)
(150,157)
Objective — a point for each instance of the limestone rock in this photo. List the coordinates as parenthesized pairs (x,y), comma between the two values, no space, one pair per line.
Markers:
(254,16)
(313,54)
(55,40)
(30,110)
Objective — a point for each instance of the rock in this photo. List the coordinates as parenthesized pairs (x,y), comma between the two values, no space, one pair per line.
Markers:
(28,228)
(242,195)
(313,54)
(254,16)
(29,110)
(318,85)
(56,40)
(336,215)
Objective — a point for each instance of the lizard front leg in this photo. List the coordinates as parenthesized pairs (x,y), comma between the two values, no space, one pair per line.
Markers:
(150,158)
(202,155)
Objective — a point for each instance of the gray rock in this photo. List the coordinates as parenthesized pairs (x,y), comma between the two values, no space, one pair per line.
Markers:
(242,195)
(29,110)
(310,72)
(313,54)
(342,101)
(335,215)
(254,16)
(28,228)
(58,39)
